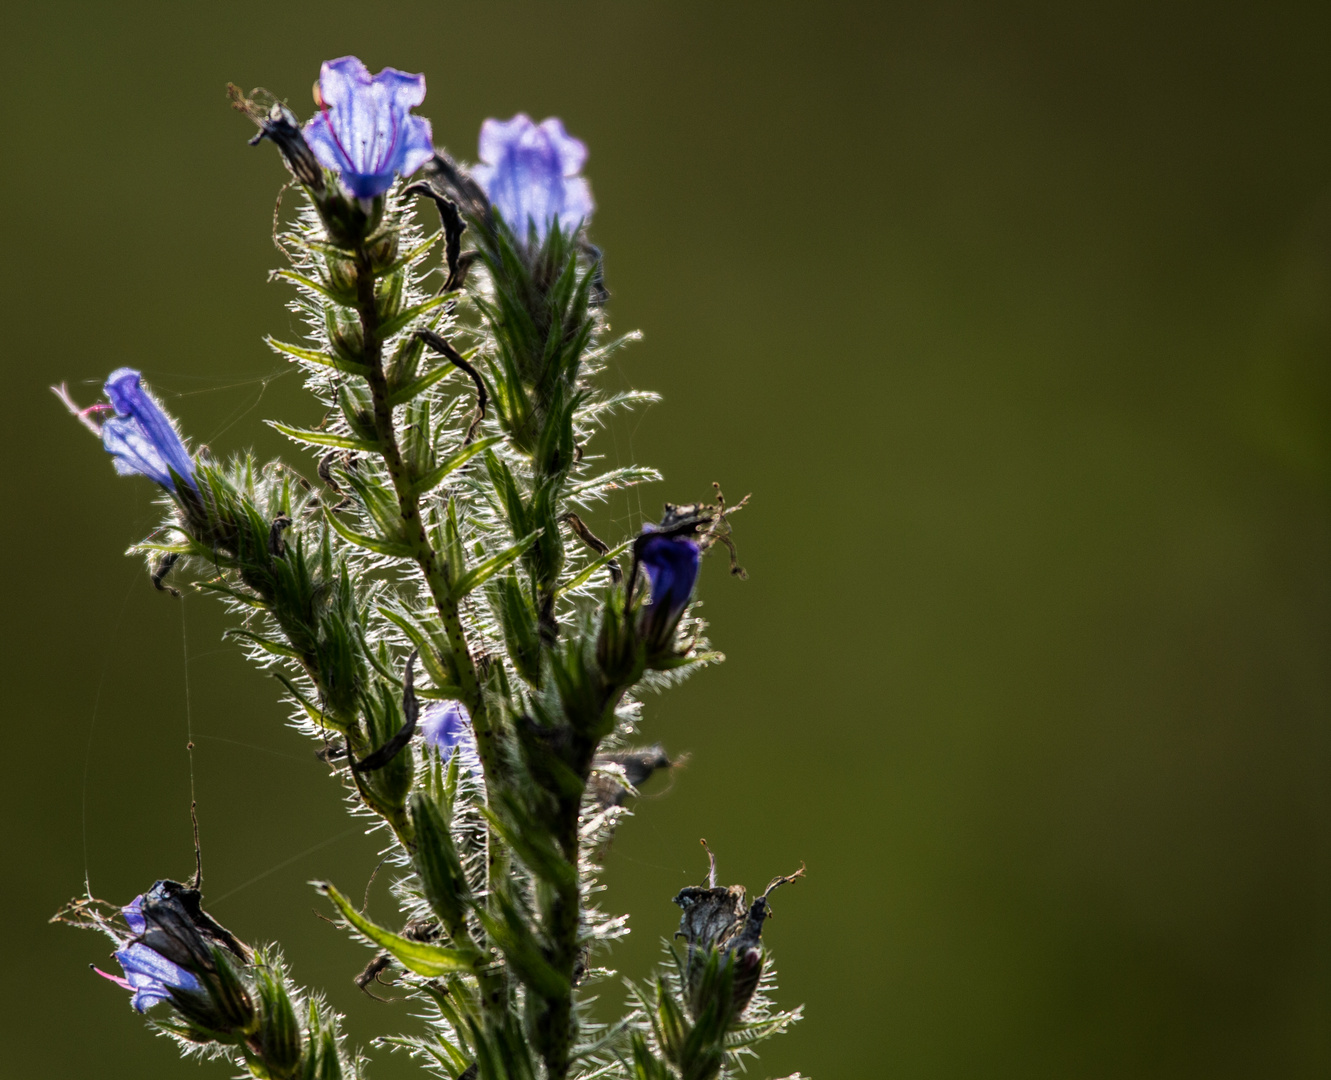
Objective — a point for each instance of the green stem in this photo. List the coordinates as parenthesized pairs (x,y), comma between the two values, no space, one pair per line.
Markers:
(436,572)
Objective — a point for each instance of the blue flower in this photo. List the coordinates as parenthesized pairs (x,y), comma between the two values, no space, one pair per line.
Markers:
(672,569)
(364,129)
(530,174)
(150,975)
(141,436)
(447,727)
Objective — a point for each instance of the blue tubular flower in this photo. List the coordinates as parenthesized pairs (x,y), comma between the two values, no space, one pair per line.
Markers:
(364,130)
(141,435)
(150,975)
(671,563)
(530,174)
(447,727)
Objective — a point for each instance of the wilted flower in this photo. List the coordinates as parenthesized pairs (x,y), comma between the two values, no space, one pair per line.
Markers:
(716,918)
(447,727)
(150,975)
(140,435)
(671,563)
(364,129)
(530,174)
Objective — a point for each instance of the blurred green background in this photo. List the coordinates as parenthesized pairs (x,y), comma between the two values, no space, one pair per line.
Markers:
(1015,319)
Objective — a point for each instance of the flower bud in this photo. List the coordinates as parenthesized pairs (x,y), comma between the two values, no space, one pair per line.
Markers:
(388,296)
(436,861)
(342,275)
(345,334)
(279,1042)
(383,252)
(671,564)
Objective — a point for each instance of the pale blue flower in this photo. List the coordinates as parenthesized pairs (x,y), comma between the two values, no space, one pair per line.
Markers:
(364,130)
(141,436)
(447,727)
(530,174)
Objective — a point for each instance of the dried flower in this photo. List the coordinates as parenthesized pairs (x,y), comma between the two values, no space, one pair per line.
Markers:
(150,975)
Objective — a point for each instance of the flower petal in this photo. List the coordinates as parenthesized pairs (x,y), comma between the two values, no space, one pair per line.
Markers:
(572,153)
(364,130)
(141,435)
(447,727)
(529,174)
(133,912)
(144,967)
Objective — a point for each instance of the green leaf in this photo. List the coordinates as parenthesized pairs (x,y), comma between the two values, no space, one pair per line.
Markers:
(410,257)
(313,356)
(585,575)
(391,326)
(323,438)
(321,246)
(268,645)
(614,480)
(484,571)
(520,947)
(404,394)
(455,461)
(428,651)
(430,961)
(234,594)
(376,544)
(321,717)
(310,283)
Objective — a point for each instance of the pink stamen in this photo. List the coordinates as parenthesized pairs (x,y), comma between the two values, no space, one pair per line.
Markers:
(82,415)
(114,978)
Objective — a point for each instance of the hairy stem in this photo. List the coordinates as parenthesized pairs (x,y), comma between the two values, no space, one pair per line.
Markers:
(435,571)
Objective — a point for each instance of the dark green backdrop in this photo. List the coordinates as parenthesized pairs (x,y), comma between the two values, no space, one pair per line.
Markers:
(1014,318)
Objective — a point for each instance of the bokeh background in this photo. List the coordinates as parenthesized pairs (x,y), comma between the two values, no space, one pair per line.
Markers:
(1015,318)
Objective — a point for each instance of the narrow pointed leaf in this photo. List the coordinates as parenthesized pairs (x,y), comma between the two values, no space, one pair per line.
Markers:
(376,544)
(483,572)
(391,326)
(268,645)
(310,283)
(424,959)
(585,574)
(323,438)
(313,356)
(454,461)
(405,393)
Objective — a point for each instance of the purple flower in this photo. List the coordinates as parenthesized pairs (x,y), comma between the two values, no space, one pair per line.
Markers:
(530,174)
(447,727)
(141,436)
(150,975)
(364,130)
(672,568)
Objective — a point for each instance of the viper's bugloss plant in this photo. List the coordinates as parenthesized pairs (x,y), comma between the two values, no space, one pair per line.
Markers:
(464,652)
